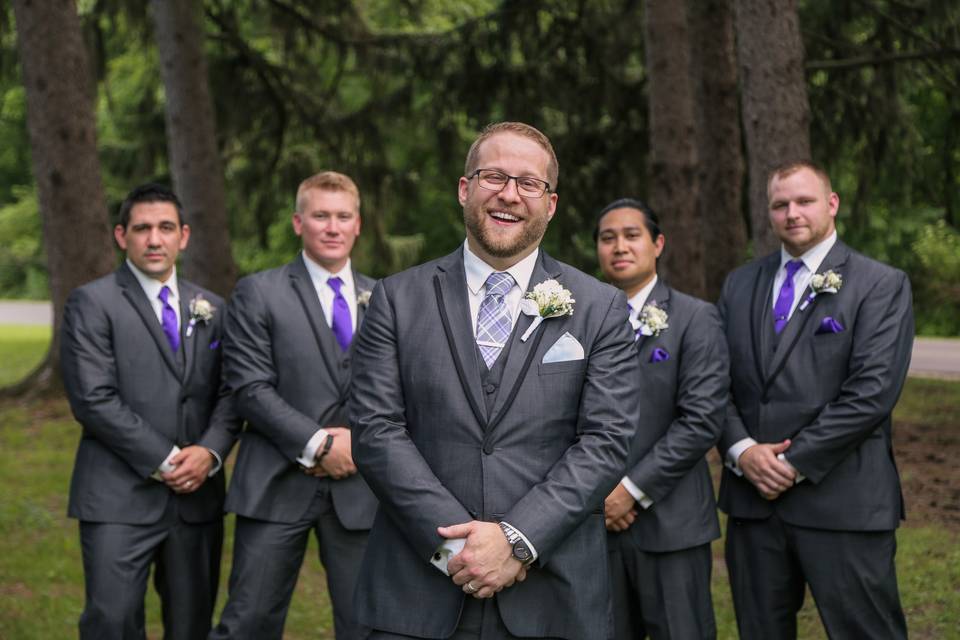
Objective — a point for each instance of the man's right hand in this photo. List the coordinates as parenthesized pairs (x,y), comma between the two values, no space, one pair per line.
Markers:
(770,476)
(338,462)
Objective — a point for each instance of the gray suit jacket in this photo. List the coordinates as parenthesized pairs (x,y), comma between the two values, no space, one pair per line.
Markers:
(683,401)
(554,444)
(290,378)
(830,393)
(136,400)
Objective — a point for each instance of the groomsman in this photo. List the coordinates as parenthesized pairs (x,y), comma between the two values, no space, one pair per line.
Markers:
(662,516)
(140,356)
(290,331)
(491,422)
(820,339)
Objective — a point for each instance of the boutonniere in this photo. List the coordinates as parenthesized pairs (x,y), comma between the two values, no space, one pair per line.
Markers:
(653,320)
(826,282)
(547,300)
(363,298)
(200,311)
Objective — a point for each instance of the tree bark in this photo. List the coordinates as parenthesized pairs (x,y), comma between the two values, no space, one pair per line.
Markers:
(776,112)
(62,129)
(192,143)
(674,179)
(718,139)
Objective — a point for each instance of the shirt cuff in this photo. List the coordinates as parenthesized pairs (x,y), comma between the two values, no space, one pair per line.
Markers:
(308,458)
(734,452)
(216,465)
(800,477)
(165,466)
(642,499)
(526,541)
(445,551)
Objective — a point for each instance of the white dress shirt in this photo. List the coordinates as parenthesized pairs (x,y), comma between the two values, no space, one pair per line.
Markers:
(319,277)
(477,272)
(636,303)
(152,287)
(812,260)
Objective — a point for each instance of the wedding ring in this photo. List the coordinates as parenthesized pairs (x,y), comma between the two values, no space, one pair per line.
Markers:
(188,484)
(471,588)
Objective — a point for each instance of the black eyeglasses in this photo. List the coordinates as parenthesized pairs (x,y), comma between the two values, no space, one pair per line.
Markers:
(494,180)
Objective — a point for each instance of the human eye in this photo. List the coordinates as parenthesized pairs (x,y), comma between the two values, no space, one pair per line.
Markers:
(530,184)
(494,177)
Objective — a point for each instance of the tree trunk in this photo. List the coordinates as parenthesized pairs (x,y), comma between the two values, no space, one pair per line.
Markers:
(776,113)
(718,139)
(192,143)
(62,128)
(674,181)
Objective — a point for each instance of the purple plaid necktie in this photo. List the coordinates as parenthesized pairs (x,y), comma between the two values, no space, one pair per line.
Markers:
(169,319)
(341,324)
(636,332)
(493,320)
(781,310)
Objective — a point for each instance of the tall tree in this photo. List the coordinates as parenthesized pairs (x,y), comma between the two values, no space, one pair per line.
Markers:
(776,112)
(717,106)
(192,142)
(674,180)
(76,226)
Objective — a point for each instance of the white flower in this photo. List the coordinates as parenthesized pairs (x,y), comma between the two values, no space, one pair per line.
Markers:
(827,282)
(363,298)
(653,320)
(200,311)
(547,300)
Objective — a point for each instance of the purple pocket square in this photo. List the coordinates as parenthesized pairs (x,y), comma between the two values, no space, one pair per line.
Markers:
(829,325)
(659,355)
(214,344)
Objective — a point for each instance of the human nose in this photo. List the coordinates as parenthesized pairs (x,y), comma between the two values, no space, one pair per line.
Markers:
(510,191)
(154,238)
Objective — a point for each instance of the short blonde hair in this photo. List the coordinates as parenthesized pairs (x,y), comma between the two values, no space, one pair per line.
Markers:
(520,129)
(327,181)
(787,169)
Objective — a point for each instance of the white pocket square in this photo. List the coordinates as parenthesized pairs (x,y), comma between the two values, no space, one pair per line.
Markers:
(564,350)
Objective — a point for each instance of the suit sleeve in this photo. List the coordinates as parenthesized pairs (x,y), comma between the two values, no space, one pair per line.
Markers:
(251,373)
(594,464)
(879,359)
(733,429)
(89,372)
(408,490)
(225,424)
(703,380)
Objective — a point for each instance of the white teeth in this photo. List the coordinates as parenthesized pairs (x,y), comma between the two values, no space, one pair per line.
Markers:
(500,215)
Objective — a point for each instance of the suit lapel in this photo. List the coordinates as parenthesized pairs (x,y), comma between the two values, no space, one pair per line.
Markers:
(187,343)
(307,293)
(796,327)
(520,354)
(450,286)
(759,301)
(661,296)
(134,294)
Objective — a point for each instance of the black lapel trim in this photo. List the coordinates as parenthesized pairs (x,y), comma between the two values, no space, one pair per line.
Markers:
(457,362)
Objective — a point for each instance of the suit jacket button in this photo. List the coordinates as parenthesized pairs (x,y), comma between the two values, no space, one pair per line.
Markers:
(490,387)
(345,364)
(488,448)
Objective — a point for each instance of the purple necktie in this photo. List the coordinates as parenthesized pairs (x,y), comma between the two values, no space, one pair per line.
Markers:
(781,310)
(169,319)
(493,319)
(341,324)
(636,333)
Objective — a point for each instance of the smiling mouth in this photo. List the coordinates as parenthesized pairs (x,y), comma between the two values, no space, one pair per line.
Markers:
(502,217)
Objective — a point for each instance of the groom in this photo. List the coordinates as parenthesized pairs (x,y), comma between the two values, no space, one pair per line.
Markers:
(491,436)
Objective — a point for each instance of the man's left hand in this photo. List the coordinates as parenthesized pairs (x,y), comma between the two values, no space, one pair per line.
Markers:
(486,565)
(192,464)
(618,505)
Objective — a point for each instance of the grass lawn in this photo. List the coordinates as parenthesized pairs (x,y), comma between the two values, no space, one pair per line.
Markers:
(41,578)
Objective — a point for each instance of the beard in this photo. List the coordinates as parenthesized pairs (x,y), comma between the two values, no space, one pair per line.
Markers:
(503,245)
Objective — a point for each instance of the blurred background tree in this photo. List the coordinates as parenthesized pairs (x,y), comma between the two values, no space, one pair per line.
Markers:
(392,93)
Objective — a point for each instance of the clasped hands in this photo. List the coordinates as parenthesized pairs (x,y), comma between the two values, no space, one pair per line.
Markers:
(191,466)
(768,473)
(486,564)
(336,463)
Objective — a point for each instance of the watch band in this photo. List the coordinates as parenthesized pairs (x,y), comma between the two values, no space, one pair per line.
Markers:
(325,449)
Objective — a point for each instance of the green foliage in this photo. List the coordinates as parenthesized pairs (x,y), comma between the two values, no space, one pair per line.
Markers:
(23,267)
(936,280)
(22,347)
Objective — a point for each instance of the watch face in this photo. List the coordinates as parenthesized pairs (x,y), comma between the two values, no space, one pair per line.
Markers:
(520,551)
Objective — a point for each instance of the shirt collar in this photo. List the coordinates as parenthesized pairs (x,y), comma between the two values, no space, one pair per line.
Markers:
(478,271)
(319,275)
(152,286)
(814,256)
(640,298)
